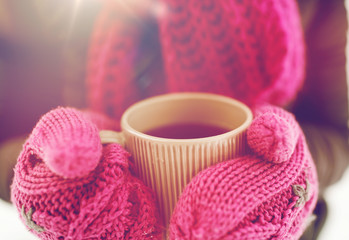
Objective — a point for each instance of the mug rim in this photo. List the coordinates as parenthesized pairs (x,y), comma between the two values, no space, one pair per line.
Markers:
(125,126)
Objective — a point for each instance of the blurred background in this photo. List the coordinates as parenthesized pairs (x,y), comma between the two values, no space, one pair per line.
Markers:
(43,47)
(43,50)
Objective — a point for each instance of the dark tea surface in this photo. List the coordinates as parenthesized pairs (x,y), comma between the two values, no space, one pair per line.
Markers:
(186,131)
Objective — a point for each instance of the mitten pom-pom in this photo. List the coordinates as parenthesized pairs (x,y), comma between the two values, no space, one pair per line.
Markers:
(273,136)
(68,142)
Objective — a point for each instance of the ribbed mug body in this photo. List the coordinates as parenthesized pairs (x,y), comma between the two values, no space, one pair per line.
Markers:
(167,165)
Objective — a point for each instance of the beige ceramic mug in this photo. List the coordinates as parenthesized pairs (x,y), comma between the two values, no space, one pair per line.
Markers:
(174,136)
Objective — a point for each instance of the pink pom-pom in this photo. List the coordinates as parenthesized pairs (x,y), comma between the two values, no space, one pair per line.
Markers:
(273,136)
(67,142)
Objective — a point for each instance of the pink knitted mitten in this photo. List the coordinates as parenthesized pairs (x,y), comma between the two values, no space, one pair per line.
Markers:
(268,194)
(67,185)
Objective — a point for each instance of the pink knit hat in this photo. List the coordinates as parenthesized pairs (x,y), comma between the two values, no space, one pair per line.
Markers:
(67,185)
(249,50)
(266,195)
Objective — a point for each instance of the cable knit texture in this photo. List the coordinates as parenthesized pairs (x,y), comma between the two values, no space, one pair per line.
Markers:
(249,50)
(260,196)
(90,195)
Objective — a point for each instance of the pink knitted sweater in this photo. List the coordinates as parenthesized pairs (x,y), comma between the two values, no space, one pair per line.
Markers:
(249,50)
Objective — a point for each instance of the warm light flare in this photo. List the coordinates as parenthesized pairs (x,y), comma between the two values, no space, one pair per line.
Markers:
(76,8)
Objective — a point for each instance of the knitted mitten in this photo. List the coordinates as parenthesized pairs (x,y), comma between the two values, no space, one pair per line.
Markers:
(249,50)
(267,194)
(67,185)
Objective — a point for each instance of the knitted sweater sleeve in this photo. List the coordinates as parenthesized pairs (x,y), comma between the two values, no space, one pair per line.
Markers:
(322,106)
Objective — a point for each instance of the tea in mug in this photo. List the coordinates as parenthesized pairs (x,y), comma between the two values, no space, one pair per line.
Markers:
(186,131)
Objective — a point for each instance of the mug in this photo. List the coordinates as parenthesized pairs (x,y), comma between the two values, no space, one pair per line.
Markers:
(174,136)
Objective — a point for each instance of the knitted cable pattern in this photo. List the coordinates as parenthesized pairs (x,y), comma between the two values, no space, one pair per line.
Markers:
(250,197)
(95,198)
(244,49)
(249,50)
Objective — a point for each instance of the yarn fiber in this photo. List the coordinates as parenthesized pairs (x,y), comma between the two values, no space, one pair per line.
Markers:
(105,202)
(252,197)
(249,50)
(69,186)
